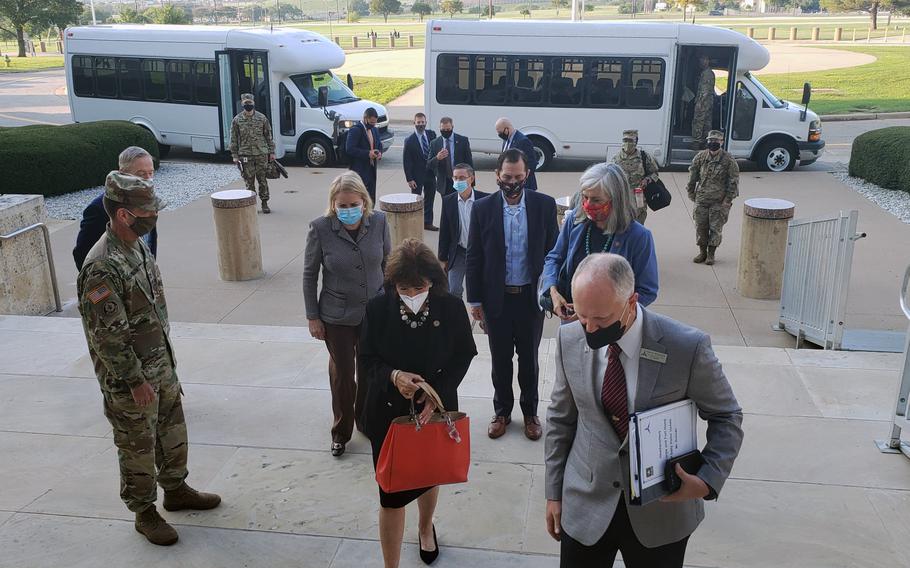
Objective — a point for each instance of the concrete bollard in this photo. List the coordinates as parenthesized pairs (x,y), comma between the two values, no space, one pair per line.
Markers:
(59,47)
(237,232)
(771,33)
(815,34)
(886,34)
(337,40)
(837,33)
(869,36)
(356,40)
(793,33)
(410,40)
(43,46)
(763,247)
(750,32)
(373,42)
(404,214)
(27,283)
(391,40)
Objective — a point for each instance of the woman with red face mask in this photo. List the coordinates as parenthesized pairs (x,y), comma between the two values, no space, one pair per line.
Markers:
(602,221)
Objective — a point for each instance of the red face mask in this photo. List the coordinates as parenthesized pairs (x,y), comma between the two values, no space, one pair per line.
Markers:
(596,212)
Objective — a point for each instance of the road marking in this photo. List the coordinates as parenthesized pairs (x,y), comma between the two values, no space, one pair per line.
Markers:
(20,119)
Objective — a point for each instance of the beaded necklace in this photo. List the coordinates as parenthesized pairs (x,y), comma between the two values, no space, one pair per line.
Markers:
(420,318)
(606,246)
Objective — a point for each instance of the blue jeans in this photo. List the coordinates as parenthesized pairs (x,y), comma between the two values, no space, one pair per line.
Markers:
(457,268)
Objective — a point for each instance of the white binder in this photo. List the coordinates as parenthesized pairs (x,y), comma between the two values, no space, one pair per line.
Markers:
(656,436)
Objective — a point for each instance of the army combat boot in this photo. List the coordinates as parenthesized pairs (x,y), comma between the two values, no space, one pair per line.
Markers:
(150,524)
(701,256)
(265,207)
(185,497)
(709,260)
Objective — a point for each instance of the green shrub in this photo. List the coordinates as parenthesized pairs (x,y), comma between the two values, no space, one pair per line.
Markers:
(53,160)
(882,157)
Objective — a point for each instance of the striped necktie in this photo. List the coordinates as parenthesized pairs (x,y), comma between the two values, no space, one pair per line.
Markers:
(614,395)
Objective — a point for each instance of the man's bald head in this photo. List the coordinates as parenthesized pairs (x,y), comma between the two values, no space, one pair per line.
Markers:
(602,288)
(503,123)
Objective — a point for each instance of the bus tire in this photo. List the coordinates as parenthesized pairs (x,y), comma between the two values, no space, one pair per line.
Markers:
(545,152)
(316,151)
(777,155)
(163,150)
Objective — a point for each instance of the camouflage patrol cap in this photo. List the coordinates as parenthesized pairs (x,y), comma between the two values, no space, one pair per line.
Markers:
(631,133)
(716,134)
(132,191)
(247,97)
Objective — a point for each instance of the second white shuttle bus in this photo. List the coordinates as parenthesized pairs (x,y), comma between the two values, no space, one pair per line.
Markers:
(573,87)
(183,83)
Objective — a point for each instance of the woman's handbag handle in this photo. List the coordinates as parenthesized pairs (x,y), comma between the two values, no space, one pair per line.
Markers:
(434,396)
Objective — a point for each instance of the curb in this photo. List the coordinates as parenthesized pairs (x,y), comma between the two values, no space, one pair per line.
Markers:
(863,116)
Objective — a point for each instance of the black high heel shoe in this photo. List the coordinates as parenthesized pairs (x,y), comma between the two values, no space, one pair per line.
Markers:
(428,557)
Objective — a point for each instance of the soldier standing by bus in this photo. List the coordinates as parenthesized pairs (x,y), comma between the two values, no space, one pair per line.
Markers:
(713,185)
(252,147)
(704,103)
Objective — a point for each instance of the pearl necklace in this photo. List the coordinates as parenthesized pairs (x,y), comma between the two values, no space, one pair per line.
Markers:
(606,246)
(421,317)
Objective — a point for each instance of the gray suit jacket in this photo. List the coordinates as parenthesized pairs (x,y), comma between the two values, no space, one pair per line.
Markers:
(587,465)
(352,271)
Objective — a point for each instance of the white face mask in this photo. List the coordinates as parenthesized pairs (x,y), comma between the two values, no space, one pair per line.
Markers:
(414,303)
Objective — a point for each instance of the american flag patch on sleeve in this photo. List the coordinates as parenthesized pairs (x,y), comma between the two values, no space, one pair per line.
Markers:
(98,294)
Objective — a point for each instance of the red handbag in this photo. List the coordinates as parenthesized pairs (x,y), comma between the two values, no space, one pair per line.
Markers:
(415,456)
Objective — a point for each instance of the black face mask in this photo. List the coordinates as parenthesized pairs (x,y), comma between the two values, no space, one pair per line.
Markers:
(714,146)
(445,133)
(512,189)
(607,335)
(504,135)
(142,225)
(249,108)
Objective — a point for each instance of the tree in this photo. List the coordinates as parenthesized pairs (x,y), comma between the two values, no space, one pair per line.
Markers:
(362,7)
(526,12)
(871,6)
(167,14)
(61,13)
(485,12)
(422,9)
(559,4)
(16,15)
(451,7)
(129,15)
(385,7)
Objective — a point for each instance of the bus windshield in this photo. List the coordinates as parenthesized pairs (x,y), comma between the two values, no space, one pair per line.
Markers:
(309,84)
(774,101)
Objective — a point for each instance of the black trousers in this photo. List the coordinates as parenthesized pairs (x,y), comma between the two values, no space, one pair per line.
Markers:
(620,538)
(517,329)
(427,188)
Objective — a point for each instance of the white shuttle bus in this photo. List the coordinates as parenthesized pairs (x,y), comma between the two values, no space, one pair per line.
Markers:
(183,83)
(573,87)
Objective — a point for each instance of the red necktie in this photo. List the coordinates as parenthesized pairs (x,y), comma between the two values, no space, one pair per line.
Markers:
(614,395)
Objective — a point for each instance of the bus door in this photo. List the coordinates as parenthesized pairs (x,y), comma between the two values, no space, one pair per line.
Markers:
(241,71)
(715,115)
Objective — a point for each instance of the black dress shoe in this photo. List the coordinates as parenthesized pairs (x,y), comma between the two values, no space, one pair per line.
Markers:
(337,449)
(428,557)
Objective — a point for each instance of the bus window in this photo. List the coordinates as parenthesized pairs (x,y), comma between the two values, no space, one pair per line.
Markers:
(154,80)
(566,81)
(105,77)
(206,90)
(528,80)
(288,108)
(491,79)
(180,81)
(743,113)
(606,77)
(130,78)
(82,76)
(309,84)
(453,76)
(645,87)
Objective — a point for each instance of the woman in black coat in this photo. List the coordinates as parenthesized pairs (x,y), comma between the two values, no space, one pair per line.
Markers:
(415,332)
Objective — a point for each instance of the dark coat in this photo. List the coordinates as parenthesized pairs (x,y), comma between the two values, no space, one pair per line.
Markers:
(450,224)
(357,146)
(523,143)
(442,169)
(415,162)
(446,360)
(485,278)
(92,227)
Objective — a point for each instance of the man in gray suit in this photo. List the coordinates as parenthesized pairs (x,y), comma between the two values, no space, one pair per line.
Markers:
(621,358)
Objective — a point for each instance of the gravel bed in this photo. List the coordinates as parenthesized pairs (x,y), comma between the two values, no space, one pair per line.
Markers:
(891,200)
(178,183)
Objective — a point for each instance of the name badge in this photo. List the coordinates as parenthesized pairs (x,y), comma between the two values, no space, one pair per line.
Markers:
(655,356)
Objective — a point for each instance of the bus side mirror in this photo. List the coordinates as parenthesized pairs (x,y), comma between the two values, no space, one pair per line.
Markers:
(323,96)
(807,93)
(350,82)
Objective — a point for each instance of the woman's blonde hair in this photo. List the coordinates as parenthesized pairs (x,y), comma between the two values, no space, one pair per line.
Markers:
(611,181)
(348,182)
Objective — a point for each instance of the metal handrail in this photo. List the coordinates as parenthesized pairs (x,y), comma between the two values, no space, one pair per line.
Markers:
(50,255)
(904,306)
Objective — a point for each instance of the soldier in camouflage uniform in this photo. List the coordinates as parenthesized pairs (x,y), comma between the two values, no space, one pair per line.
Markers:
(636,163)
(704,103)
(252,147)
(124,314)
(713,185)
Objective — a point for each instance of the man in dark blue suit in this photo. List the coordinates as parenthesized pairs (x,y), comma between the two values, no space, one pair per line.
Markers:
(419,178)
(447,150)
(510,235)
(365,149)
(456,226)
(134,161)
(512,138)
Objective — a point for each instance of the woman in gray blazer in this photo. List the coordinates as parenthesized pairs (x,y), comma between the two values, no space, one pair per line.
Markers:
(349,244)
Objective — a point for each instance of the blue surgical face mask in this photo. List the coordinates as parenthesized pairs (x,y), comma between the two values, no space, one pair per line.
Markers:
(350,215)
(460,185)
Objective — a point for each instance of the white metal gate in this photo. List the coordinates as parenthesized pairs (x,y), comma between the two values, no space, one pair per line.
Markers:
(816,277)
(901,418)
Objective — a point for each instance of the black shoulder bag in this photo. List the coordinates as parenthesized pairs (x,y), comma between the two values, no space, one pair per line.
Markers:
(656,194)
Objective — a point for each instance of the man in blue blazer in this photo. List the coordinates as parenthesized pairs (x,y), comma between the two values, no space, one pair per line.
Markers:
(365,149)
(510,235)
(512,138)
(419,178)
(447,150)
(456,226)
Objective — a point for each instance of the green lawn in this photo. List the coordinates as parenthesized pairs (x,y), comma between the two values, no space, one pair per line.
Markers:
(383,90)
(875,87)
(20,64)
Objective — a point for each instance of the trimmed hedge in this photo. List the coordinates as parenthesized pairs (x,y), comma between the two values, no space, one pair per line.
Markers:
(53,160)
(882,157)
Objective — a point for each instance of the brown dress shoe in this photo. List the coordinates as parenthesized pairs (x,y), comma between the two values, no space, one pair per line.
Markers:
(150,524)
(498,426)
(185,497)
(532,427)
